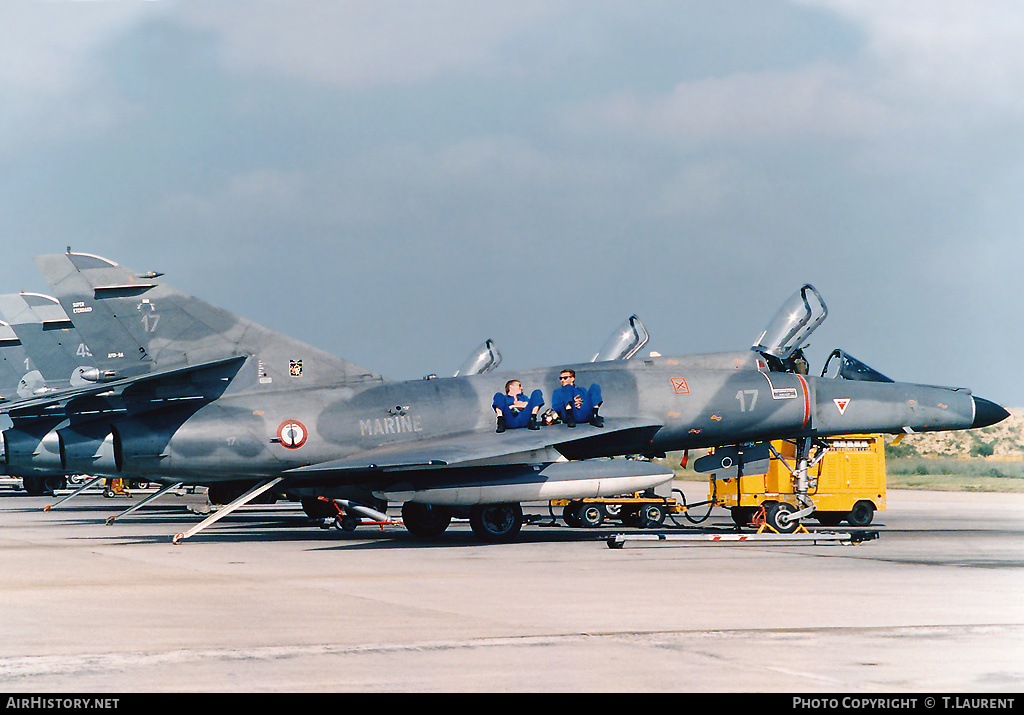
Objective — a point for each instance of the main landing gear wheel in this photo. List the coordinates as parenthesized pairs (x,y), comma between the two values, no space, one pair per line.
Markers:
(425,520)
(42,486)
(496,523)
(777,517)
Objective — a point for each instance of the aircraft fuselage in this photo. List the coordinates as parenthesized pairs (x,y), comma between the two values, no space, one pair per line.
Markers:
(256,433)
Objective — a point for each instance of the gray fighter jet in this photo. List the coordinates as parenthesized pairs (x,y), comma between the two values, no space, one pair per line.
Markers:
(40,353)
(182,391)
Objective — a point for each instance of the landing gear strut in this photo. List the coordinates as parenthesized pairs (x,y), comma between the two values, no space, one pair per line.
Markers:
(785,518)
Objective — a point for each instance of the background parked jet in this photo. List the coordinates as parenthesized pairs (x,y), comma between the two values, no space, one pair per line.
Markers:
(41,353)
(188,391)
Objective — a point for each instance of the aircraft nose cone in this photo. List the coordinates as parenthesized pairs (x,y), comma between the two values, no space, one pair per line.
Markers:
(987,413)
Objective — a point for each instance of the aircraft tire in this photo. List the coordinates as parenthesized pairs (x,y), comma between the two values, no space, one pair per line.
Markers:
(496,523)
(773,518)
(42,486)
(33,486)
(425,520)
(861,514)
(829,518)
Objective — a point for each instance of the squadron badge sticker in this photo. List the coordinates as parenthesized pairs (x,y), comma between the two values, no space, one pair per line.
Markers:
(292,434)
(295,368)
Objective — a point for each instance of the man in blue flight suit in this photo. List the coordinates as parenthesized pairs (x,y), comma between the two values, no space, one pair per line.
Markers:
(574,404)
(513,410)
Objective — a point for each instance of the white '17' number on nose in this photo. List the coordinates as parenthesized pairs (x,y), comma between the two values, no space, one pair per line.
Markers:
(742,397)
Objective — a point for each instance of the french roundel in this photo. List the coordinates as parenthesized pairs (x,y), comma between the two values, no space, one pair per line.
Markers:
(292,434)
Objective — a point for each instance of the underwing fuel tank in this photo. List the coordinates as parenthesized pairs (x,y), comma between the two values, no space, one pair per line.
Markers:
(561,480)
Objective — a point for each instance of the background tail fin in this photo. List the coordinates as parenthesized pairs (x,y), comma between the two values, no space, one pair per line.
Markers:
(52,344)
(135,323)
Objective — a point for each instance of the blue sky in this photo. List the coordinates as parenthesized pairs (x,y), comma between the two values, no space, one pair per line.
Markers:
(395,181)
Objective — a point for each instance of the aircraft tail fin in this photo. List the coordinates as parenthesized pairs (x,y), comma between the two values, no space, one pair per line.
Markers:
(52,345)
(135,324)
(12,362)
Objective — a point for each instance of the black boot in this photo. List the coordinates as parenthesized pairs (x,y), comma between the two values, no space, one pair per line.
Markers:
(501,424)
(596,419)
(570,418)
(532,424)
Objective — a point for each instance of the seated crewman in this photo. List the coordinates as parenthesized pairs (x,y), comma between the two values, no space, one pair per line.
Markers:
(513,410)
(574,404)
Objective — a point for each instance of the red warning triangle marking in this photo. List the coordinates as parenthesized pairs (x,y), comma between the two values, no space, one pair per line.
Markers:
(841,403)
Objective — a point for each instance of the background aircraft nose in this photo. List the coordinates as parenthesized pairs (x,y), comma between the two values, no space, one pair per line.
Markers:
(987,413)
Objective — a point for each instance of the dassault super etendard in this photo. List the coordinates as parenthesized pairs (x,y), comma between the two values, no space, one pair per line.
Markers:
(178,391)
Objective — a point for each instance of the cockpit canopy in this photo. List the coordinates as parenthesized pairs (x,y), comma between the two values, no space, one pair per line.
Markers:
(843,366)
(484,359)
(782,341)
(795,321)
(624,342)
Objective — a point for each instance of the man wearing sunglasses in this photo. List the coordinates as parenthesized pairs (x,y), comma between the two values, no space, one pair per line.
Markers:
(574,404)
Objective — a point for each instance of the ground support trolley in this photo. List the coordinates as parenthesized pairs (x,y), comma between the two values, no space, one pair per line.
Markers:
(642,509)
